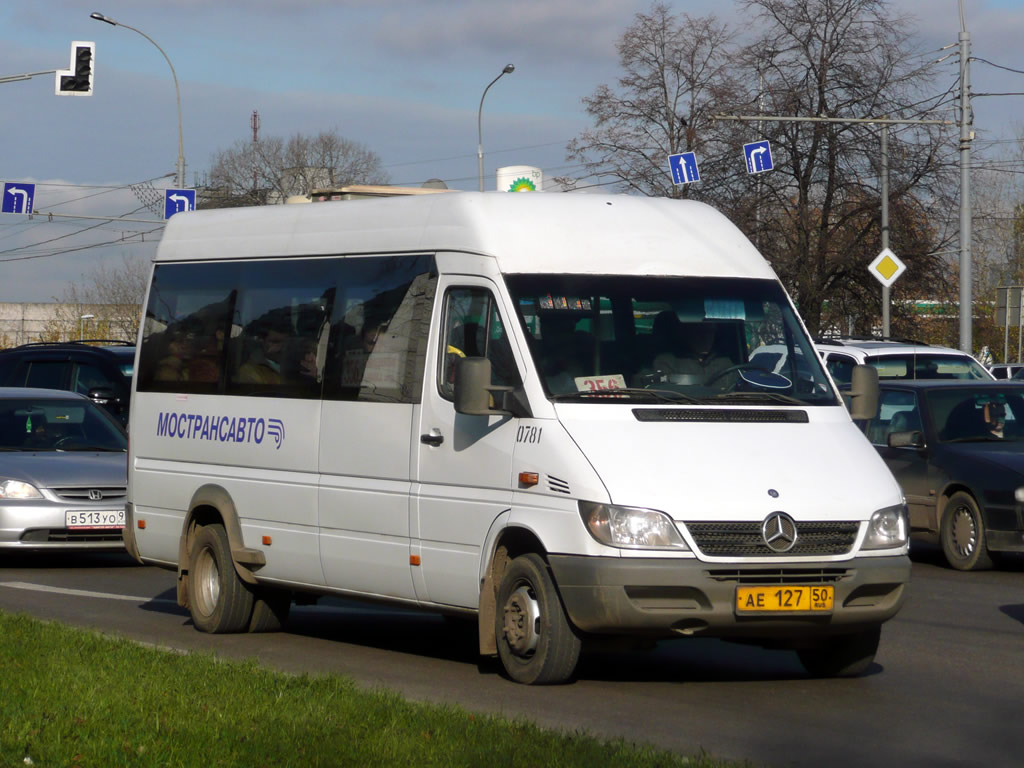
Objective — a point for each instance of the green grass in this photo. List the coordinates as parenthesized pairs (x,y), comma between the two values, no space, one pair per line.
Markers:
(70,697)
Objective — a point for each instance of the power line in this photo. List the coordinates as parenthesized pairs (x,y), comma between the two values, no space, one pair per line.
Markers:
(997,66)
(83,247)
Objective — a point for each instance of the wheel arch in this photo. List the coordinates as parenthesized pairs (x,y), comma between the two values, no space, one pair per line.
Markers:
(509,543)
(211,504)
(948,492)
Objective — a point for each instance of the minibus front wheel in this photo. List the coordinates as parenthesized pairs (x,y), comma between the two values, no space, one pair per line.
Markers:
(218,599)
(536,643)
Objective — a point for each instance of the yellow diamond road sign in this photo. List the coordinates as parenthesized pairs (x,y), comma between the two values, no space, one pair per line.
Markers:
(886,267)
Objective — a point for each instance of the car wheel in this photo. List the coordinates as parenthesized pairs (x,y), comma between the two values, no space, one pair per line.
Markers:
(536,643)
(217,598)
(842,655)
(963,534)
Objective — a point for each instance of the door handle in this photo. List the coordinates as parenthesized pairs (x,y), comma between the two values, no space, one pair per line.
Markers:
(434,437)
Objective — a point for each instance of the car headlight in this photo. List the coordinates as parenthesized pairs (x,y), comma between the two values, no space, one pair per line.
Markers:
(887,528)
(15,489)
(631,527)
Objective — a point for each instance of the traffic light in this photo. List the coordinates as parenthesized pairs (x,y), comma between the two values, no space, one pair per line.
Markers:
(77,81)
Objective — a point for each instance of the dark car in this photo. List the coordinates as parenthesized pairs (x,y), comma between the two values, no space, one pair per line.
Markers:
(100,369)
(957,450)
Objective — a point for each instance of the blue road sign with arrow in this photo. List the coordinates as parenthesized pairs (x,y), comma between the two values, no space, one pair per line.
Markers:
(17,197)
(684,168)
(759,156)
(178,200)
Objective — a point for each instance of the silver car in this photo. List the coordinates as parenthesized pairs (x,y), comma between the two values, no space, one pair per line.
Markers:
(63,472)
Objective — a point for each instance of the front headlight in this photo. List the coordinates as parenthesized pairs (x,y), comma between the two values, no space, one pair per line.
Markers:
(15,489)
(631,527)
(887,528)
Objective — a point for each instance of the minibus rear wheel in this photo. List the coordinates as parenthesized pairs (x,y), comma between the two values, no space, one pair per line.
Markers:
(536,643)
(218,599)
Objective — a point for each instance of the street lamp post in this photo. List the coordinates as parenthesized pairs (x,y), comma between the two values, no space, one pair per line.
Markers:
(180,177)
(509,69)
(81,325)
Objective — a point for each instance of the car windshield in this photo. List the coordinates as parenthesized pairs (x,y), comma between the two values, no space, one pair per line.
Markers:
(928,366)
(685,340)
(978,414)
(57,425)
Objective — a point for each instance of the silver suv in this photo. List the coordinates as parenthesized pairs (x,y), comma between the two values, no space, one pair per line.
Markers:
(63,472)
(898,359)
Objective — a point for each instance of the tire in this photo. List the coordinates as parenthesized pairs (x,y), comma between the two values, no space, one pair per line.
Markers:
(962,534)
(217,598)
(270,609)
(536,643)
(842,655)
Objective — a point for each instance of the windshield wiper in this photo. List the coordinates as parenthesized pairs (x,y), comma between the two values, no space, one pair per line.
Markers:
(661,395)
(758,397)
(100,448)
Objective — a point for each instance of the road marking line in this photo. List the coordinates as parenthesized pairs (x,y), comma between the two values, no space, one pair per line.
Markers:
(82,592)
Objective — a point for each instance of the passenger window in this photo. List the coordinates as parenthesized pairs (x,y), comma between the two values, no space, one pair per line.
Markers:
(86,377)
(473,328)
(840,368)
(343,328)
(378,339)
(46,374)
(897,412)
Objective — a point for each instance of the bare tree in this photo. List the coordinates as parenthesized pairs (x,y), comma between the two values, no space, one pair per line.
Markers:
(675,75)
(816,216)
(272,169)
(113,295)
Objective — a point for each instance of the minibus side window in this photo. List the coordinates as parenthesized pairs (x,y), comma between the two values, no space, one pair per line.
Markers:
(187,320)
(379,330)
(278,318)
(473,328)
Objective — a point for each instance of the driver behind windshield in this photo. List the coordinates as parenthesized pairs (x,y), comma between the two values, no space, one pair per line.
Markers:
(685,353)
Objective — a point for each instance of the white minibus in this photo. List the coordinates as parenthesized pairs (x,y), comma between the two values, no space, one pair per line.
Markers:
(571,417)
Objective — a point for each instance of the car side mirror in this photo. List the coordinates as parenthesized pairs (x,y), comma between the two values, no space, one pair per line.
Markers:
(864,392)
(103,396)
(473,389)
(912,439)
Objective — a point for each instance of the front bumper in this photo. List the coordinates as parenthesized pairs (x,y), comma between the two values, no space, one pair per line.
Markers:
(1005,541)
(664,598)
(40,524)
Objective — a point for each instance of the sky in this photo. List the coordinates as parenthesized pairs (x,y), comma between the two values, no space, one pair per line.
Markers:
(402,77)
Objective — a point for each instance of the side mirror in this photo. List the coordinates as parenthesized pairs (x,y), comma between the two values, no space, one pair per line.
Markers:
(864,392)
(103,396)
(473,388)
(913,439)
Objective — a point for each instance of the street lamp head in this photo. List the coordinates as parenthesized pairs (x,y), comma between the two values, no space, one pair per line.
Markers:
(509,69)
(100,17)
(86,317)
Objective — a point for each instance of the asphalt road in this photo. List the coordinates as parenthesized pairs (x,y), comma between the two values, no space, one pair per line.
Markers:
(947,687)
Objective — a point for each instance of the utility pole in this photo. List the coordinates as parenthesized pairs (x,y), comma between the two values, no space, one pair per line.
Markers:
(254,123)
(884,225)
(966,306)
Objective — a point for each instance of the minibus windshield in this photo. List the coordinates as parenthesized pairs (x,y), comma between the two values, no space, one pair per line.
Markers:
(606,338)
